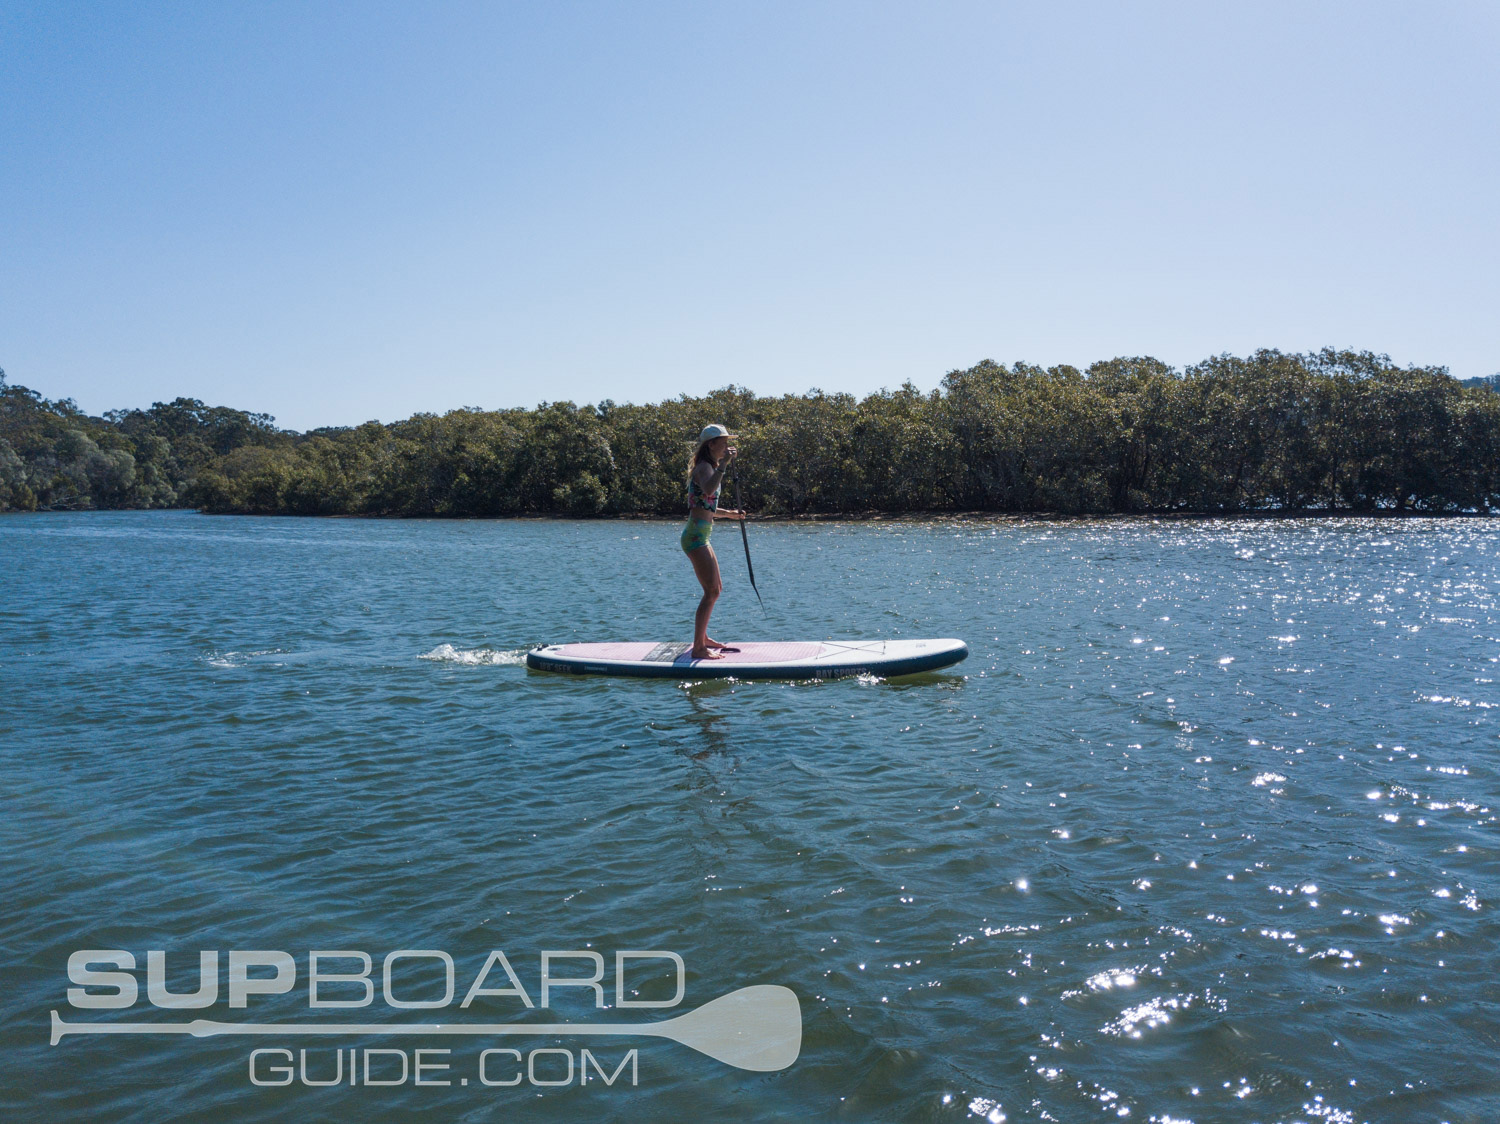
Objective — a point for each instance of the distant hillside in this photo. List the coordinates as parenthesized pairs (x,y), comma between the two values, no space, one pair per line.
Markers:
(1490,381)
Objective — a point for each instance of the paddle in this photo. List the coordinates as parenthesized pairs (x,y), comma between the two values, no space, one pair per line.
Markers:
(745,538)
(757,1028)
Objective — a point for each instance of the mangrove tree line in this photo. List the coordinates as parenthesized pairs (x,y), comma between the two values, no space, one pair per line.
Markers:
(1335,430)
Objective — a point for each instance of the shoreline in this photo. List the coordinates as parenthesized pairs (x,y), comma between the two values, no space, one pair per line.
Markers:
(1312,514)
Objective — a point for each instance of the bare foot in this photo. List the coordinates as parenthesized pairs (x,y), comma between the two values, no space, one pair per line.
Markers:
(712,643)
(705,654)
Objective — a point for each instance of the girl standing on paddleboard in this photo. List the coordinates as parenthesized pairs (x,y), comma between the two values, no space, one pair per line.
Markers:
(706,471)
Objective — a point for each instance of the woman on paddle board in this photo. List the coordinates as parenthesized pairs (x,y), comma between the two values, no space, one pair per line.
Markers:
(706,471)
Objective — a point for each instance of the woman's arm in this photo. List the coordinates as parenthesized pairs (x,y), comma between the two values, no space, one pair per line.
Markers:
(709,480)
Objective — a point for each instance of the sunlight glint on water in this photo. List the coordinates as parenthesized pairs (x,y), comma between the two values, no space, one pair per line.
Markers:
(1203,829)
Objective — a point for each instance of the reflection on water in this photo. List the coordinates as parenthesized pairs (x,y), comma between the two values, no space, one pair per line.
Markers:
(1204,829)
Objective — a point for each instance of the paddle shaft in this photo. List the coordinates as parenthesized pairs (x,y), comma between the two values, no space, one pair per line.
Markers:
(745,538)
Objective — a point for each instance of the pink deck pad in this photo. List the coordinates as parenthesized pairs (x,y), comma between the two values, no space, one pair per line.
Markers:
(627,651)
(771,653)
(779,652)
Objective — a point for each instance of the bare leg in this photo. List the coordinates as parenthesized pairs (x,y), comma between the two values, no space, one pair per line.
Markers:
(706,566)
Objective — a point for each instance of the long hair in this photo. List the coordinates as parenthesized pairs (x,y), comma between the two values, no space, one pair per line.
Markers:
(700,456)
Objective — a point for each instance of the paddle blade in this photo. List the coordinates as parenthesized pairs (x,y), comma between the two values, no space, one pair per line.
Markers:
(756,1028)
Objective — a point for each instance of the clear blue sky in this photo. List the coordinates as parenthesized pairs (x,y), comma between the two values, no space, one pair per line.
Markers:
(336,212)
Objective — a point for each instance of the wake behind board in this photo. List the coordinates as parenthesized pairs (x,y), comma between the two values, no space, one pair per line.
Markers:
(813,659)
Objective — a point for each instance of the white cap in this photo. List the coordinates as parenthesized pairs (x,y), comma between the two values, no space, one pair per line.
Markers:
(712,431)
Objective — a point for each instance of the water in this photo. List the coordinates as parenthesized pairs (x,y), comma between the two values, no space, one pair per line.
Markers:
(1203,830)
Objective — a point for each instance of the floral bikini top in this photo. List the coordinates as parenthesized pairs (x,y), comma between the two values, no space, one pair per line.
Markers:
(697,498)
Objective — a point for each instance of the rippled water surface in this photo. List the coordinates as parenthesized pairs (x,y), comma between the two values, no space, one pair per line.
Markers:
(1204,829)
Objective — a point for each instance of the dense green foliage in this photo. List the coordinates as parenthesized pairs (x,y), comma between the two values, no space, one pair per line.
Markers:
(54,457)
(1272,431)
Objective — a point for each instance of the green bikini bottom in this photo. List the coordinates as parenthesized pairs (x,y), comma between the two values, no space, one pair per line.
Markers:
(696,533)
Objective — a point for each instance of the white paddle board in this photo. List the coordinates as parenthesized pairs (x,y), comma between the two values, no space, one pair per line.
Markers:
(811,659)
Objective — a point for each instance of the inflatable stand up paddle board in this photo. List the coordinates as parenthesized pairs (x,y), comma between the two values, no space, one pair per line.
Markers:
(813,659)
